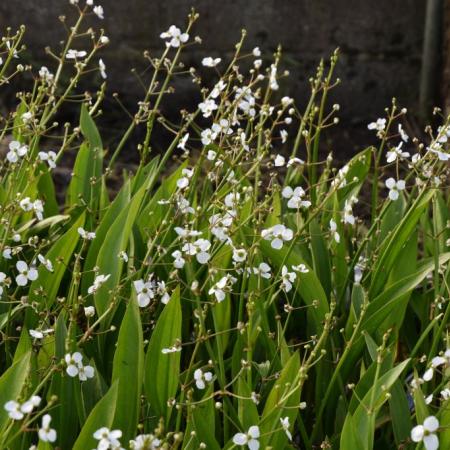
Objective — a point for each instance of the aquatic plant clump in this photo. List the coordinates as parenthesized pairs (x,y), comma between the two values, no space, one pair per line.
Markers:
(239,290)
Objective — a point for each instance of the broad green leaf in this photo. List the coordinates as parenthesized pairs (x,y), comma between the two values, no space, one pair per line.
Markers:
(307,284)
(87,171)
(116,241)
(397,239)
(61,250)
(284,395)
(11,384)
(128,371)
(101,416)
(162,370)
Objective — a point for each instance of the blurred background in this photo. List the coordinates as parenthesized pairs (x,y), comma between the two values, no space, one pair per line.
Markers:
(383,47)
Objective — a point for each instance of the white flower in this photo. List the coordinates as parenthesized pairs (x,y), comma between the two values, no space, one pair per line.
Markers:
(220,225)
(73,362)
(445,394)
(239,255)
(16,151)
(293,161)
(379,125)
(162,291)
(284,136)
(286,101)
(394,187)
(47,434)
(123,256)
(174,36)
(98,282)
(102,68)
(210,62)
(211,155)
(184,206)
(13,409)
(207,107)
(39,334)
(280,161)
(232,199)
(183,140)
(396,153)
(173,349)
(183,182)
(263,270)
(25,273)
(287,278)
(145,292)
(426,433)
(207,136)
(88,235)
(256,52)
(437,150)
(74,54)
(273,78)
(45,262)
(250,438)
(38,208)
(33,402)
(104,40)
(277,234)
(26,204)
(295,197)
(27,117)
(217,89)
(199,248)
(223,286)
(179,261)
(436,362)
(98,11)
(46,75)
(107,438)
(89,311)
(16,411)
(285,424)
(85,372)
(50,157)
(403,135)
(201,378)
(75,367)
(333,229)
(222,127)
(3,282)
(348,211)
(301,268)
(145,442)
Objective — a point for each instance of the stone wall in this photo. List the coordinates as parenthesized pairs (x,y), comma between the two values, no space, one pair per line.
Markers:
(445,84)
(380,41)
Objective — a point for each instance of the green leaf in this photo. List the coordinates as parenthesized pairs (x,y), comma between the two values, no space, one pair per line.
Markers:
(283,397)
(396,240)
(400,414)
(11,384)
(162,370)
(101,416)
(61,250)
(120,202)
(307,284)
(116,241)
(87,171)
(128,368)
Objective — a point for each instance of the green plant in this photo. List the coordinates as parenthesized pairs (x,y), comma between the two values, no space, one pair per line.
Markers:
(231,298)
